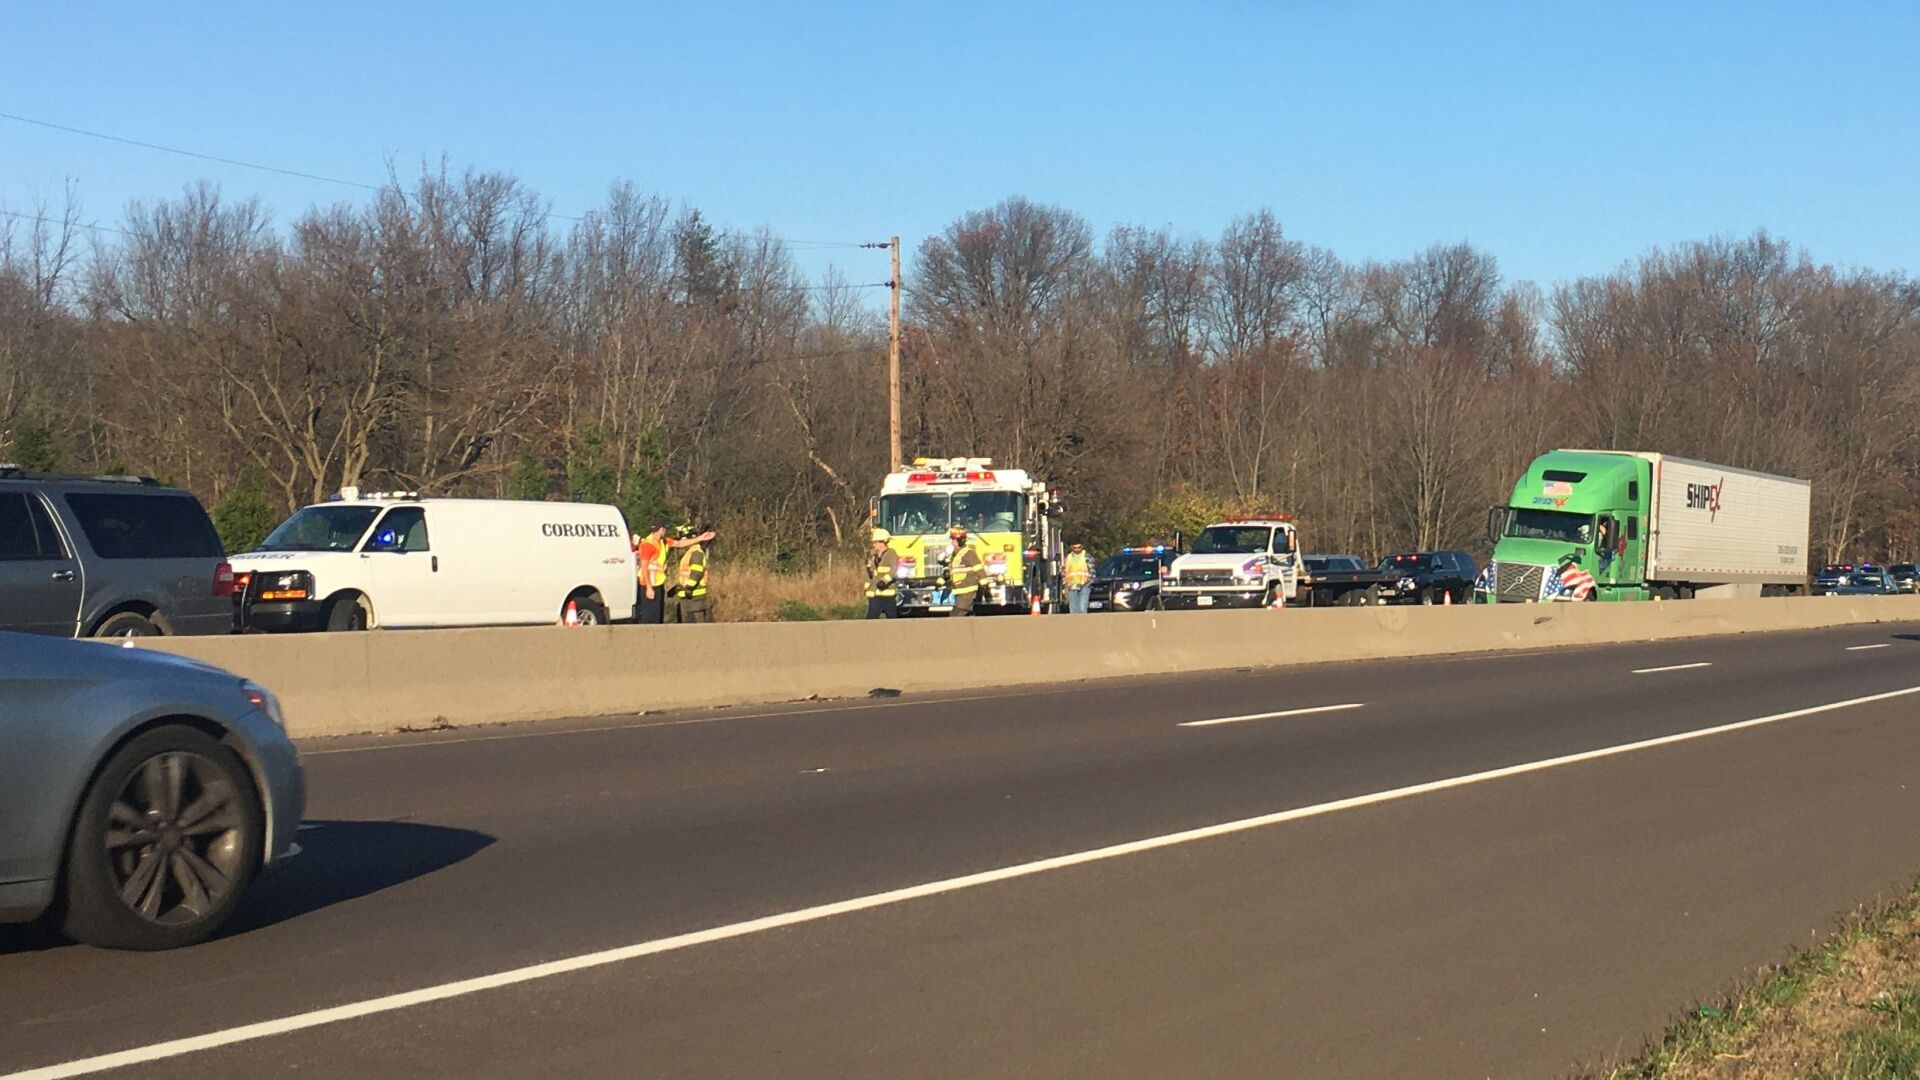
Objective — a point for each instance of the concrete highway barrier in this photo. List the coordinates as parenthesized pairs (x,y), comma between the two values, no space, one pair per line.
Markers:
(384,681)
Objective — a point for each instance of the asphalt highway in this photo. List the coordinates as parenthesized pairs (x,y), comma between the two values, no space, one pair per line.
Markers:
(1500,866)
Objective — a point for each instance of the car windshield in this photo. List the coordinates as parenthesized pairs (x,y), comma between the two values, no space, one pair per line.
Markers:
(1324,564)
(1232,540)
(1549,525)
(321,528)
(1130,567)
(1409,563)
(1903,570)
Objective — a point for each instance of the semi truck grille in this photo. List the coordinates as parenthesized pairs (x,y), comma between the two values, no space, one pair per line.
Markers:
(1518,580)
(1207,577)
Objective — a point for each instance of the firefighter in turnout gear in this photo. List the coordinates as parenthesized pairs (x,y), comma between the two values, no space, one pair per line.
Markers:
(883,578)
(687,596)
(965,568)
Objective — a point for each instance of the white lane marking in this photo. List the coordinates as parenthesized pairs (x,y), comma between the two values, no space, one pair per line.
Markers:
(1858,648)
(1275,715)
(1671,667)
(286,1025)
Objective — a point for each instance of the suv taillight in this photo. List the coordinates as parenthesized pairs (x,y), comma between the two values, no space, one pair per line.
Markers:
(226,582)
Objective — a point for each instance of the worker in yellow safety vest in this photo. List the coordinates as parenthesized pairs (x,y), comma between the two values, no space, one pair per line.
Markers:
(688,595)
(650,567)
(965,568)
(883,578)
(1076,572)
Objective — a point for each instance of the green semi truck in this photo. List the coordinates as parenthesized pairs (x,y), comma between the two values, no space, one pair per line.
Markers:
(1623,525)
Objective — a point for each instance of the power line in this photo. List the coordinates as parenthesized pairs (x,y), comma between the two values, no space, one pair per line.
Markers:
(189,153)
(303,175)
(56,221)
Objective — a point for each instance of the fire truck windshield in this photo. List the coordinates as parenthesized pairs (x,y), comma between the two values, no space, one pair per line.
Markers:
(914,515)
(987,511)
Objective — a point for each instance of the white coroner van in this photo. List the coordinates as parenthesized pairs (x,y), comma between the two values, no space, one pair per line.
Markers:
(395,560)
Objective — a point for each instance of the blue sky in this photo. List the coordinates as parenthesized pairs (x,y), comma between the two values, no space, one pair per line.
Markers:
(1565,139)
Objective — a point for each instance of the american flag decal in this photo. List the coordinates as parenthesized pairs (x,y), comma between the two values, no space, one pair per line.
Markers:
(1572,583)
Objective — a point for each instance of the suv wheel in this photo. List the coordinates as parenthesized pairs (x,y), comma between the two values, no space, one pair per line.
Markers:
(127,624)
(167,839)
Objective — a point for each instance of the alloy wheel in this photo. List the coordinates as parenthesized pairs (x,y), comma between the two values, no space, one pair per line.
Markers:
(175,838)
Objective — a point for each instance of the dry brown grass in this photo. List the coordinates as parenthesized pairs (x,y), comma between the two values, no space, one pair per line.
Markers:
(753,594)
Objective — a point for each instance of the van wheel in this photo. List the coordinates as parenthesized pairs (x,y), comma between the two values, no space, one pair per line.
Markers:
(127,624)
(346,613)
(587,611)
(167,839)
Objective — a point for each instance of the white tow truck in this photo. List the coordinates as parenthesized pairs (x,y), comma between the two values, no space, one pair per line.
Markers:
(1237,562)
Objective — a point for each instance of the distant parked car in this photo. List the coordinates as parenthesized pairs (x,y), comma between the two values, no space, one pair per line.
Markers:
(1906,575)
(108,556)
(1830,577)
(1129,579)
(142,790)
(1866,583)
(1431,577)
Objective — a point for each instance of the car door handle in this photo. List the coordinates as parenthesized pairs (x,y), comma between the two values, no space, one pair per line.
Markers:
(436,564)
(63,575)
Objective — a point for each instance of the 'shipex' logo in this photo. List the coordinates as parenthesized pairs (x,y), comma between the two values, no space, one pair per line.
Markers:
(1706,497)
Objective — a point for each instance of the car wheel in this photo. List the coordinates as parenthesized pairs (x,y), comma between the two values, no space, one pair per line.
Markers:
(587,612)
(1428,597)
(167,839)
(346,613)
(127,624)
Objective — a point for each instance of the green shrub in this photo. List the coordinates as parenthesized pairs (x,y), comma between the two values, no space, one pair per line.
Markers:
(795,611)
(245,516)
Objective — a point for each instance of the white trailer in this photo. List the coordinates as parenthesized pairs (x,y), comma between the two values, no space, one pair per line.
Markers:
(1714,525)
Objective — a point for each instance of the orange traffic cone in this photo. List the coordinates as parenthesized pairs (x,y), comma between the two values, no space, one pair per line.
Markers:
(1446,598)
(1035,609)
(572,617)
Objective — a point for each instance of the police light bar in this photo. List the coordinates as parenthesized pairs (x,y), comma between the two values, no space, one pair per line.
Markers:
(1257,517)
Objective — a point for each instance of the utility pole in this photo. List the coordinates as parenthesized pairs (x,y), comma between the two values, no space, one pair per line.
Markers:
(893,364)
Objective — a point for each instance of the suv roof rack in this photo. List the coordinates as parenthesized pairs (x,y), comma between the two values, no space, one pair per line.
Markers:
(18,472)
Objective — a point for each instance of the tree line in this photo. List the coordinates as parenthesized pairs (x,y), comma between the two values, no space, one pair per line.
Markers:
(451,336)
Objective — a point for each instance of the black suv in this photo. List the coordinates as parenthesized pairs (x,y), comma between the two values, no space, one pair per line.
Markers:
(108,556)
(1129,579)
(1430,577)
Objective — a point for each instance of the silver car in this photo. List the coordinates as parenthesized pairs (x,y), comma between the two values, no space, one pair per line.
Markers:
(140,793)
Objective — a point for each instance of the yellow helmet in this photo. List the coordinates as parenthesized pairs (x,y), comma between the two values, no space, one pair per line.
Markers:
(881,536)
